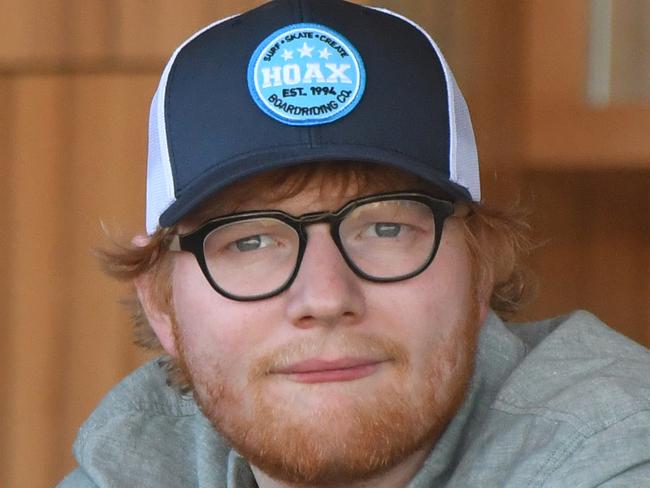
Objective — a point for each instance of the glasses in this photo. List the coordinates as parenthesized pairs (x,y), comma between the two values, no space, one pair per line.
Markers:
(256,255)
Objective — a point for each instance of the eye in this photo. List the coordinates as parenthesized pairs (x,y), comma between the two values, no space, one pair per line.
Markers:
(251,243)
(384,229)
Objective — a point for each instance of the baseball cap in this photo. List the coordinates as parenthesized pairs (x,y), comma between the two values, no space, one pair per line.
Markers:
(301,81)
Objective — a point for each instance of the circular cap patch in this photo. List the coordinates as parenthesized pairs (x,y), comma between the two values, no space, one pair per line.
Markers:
(306,74)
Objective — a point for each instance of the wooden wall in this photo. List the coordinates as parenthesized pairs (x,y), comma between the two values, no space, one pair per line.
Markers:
(76,77)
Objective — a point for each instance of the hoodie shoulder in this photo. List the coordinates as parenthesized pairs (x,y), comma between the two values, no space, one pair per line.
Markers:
(581,369)
(144,433)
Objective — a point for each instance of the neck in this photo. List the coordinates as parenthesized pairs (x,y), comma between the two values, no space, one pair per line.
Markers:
(397,477)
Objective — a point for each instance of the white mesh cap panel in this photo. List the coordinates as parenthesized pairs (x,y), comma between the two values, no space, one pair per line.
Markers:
(160,182)
(465,167)
(463,157)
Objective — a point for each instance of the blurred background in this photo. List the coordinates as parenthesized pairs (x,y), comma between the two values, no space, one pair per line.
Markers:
(559,92)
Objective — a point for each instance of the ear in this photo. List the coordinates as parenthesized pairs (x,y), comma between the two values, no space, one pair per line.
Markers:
(159,320)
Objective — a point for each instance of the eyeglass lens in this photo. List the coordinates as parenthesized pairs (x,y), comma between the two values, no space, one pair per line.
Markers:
(384,239)
(251,257)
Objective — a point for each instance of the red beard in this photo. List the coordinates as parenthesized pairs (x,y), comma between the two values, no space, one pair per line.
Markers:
(327,444)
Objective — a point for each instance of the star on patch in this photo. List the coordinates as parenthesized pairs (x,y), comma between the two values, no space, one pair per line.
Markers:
(305,50)
(287,55)
(324,53)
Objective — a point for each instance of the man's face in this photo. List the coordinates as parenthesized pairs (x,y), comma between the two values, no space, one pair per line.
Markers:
(337,378)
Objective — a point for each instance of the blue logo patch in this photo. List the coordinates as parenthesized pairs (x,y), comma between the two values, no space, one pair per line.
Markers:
(306,74)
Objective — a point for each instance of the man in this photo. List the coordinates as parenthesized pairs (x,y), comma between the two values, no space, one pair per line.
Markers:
(326,286)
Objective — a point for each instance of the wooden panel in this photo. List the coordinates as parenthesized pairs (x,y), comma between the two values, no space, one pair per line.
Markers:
(614,137)
(79,146)
(6,326)
(147,33)
(35,272)
(561,127)
(89,33)
(108,118)
(31,29)
(433,15)
(88,30)
(45,33)
(557,37)
(595,230)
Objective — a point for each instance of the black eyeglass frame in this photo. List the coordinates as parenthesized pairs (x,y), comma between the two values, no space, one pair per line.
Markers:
(193,242)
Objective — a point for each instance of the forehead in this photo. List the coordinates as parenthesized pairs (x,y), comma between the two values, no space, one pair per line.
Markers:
(308,187)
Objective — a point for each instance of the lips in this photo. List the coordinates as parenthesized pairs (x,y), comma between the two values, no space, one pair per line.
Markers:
(321,370)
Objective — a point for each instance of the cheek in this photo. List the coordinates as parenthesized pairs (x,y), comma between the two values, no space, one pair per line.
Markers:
(449,279)
(201,314)
(433,308)
(215,329)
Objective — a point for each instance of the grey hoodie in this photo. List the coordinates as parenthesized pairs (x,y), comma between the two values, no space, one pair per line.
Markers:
(559,403)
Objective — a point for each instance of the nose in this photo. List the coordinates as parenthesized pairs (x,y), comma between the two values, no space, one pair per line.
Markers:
(326,292)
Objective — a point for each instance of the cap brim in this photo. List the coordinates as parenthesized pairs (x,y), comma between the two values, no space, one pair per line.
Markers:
(230,172)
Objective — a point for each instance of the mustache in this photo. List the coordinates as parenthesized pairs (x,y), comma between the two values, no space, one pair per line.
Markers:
(341,346)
